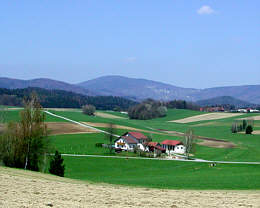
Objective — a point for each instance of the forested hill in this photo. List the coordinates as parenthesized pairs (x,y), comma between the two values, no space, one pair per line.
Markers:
(63,99)
(225,100)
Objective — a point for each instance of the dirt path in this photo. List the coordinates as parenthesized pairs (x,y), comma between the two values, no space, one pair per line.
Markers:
(206,117)
(20,188)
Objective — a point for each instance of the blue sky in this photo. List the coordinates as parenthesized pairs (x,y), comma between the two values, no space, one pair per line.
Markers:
(188,43)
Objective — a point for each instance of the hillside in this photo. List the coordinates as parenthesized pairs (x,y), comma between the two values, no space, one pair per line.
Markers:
(142,89)
(33,189)
(138,89)
(225,100)
(43,83)
(62,99)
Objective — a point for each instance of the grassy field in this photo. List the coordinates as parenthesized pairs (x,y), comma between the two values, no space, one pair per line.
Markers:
(161,174)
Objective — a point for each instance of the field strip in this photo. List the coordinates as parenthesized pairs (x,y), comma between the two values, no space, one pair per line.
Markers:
(148,158)
(81,124)
(107,115)
(256,118)
(206,117)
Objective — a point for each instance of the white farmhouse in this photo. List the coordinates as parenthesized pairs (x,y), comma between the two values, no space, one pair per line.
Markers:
(130,140)
(173,146)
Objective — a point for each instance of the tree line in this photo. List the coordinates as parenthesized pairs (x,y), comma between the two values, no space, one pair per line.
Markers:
(63,99)
(182,104)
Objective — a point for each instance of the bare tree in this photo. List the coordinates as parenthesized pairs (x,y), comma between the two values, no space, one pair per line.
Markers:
(110,136)
(3,114)
(189,142)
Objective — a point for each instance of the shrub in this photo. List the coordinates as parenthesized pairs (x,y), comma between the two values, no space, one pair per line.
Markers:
(89,110)
(99,144)
(56,166)
(249,129)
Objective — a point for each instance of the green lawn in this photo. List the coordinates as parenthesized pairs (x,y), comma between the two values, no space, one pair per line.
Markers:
(163,174)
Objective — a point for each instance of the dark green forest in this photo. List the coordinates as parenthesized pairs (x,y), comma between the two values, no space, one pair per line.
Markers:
(63,99)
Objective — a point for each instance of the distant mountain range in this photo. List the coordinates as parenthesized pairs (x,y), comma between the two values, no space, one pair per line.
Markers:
(139,89)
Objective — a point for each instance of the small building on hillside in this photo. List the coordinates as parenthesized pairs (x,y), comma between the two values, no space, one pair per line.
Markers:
(155,147)
(173,146)
(131,140)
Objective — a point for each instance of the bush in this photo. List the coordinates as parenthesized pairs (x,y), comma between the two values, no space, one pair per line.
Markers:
(249,129)
(89,110)
(56,166)
(99,144)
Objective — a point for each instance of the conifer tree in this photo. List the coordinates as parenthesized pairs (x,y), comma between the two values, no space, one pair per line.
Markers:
(56,165)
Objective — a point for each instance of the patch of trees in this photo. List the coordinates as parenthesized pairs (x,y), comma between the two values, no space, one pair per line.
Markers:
(246,126)
(148,109)
(63,99)
(24,144)
(182,104)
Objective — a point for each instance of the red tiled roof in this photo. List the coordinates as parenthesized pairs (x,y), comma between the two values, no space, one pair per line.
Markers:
(137,135)
(171,142)
(129,140)
(159,148)
(152,144)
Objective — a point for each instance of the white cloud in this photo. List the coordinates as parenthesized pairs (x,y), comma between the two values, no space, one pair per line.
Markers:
(205,10)
(130,59)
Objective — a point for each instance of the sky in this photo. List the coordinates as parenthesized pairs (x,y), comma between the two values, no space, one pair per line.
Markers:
(187,43)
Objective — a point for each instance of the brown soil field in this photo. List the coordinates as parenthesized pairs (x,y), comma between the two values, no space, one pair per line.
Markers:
(255,132)
(19,188)
(104,125)
(216,144)
(107,115)
(67,128)
(206,117)
(256,118)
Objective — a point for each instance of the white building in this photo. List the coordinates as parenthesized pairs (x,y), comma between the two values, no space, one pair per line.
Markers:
(130,140)
(173,146)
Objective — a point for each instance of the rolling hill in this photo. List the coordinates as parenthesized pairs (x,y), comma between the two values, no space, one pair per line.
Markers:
(48,84)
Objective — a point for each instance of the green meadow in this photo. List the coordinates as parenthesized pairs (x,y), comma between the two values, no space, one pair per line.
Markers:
(156,173)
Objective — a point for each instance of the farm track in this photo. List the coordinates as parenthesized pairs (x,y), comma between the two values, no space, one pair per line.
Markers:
(168,159)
